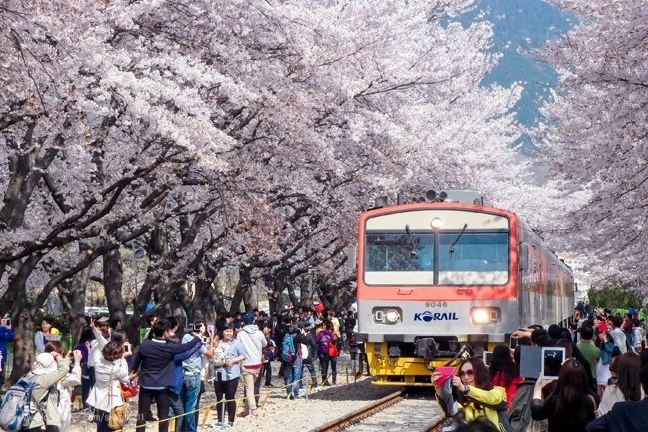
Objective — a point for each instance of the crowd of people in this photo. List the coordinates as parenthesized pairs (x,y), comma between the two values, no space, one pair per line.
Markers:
(172,370)
(601,385)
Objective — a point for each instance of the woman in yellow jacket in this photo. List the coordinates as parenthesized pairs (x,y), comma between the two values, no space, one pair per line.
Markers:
(475,392)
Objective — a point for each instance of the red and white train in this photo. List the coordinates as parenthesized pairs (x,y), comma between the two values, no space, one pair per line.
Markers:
(438,275)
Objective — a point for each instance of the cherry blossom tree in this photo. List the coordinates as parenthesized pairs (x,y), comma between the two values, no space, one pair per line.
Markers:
(596,133)
(212,134)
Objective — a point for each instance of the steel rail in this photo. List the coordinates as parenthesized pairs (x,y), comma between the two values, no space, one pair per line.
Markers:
(348,419)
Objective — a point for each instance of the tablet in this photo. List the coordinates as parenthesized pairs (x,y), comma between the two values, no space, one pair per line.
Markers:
(552,360)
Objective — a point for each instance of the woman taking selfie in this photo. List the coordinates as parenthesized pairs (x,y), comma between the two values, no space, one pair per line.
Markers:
(475,392)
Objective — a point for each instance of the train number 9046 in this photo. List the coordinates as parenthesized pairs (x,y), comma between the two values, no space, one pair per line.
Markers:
(433,304)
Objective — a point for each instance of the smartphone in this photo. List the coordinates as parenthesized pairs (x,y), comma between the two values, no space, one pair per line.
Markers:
(552,360)
(210,328)
(488,356)
(513,343)
(446,372)
(127,347)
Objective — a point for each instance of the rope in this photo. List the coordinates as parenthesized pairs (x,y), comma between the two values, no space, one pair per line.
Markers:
(207,409)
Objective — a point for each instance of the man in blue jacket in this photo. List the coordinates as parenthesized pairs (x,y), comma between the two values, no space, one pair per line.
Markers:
(6,335)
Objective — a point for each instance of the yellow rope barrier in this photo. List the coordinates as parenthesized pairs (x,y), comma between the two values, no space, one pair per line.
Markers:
(207,409)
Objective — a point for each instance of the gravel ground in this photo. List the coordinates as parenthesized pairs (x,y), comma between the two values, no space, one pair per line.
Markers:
(317,406)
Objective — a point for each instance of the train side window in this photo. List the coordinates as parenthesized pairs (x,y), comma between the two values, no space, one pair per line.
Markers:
(524,257)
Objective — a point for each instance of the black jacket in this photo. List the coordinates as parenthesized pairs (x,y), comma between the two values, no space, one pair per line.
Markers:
(628,416)
(154,363)
(308,340)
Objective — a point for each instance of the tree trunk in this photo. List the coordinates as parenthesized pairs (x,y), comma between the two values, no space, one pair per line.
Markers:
(24,349)
(113,278)
(75,293)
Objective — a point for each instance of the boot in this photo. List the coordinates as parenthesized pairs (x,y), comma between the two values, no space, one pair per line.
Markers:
(314,382)
(325,383)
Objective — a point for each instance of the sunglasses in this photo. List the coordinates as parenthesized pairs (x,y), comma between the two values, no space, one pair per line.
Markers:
(468,372)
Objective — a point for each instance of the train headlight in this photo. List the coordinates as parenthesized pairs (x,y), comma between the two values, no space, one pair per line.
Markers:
(387,315)
(485,315)
(392,316)
(436,223)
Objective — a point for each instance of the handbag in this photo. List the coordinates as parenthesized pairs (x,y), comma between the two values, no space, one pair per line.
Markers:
(118,416)
(333,350)
(128,391)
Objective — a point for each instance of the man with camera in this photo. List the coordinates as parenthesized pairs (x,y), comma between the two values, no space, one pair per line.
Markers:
(192,368)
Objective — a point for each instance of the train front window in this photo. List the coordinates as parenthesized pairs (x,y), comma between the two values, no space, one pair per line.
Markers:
(476,258)
(464,258)
(400,259)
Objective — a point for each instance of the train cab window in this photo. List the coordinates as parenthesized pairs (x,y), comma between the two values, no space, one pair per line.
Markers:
(399,259)
(474,258)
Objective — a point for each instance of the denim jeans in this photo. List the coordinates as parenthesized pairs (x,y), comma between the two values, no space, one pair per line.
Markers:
(311,369)
(324,363)
(292,376)
(176,409)
(189,397)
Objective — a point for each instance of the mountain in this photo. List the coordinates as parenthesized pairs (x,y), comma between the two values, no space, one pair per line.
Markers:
(520,27)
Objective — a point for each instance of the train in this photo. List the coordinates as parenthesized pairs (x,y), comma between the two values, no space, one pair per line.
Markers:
(446,276)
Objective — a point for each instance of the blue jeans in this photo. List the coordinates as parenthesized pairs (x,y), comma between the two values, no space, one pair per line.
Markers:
(292,376)
(189,397)
(176,409)
(311,368)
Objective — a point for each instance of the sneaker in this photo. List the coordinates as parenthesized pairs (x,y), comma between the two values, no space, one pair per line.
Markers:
(269,385)
(217,425)
(230,424)
(253,413)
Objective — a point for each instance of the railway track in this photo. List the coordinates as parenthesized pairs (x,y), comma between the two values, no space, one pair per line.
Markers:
(393,412)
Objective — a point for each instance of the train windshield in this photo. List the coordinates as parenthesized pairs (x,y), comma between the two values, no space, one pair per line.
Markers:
(464,258)
(475,258)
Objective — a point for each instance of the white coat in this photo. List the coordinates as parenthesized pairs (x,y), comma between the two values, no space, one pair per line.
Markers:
(100,396)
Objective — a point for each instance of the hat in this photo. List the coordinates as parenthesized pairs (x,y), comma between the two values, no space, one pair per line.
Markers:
(248,318)
(103,320)
(43,364)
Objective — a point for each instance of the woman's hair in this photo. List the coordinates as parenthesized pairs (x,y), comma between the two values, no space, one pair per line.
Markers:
(87,335)
(477,425)
(628,376)
(502,362)
(118,336)
(482,376)
(54,346)
(571,391)
(113,351)
(225,326)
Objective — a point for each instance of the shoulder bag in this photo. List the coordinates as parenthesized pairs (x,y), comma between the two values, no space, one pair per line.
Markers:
(118,416)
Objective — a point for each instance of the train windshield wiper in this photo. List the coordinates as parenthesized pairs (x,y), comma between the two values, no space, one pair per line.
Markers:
(410,235)
(452,245)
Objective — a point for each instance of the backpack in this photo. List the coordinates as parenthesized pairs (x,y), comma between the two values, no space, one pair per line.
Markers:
(288,350)
(15,412)
(519,414)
